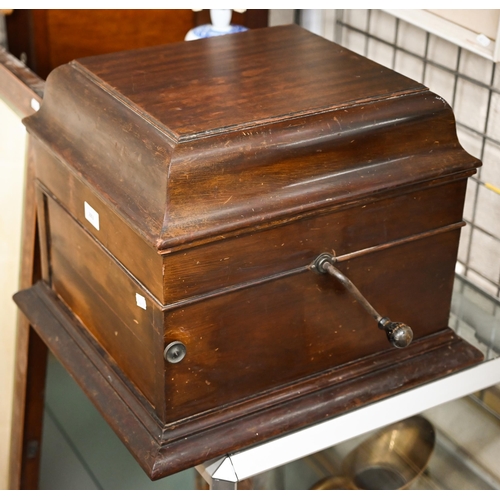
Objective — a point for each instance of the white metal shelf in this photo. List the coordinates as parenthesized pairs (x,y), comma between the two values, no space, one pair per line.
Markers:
(475,317)
(450,31)
(234,467)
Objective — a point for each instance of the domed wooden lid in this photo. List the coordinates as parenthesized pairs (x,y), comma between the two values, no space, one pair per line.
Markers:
(193,141)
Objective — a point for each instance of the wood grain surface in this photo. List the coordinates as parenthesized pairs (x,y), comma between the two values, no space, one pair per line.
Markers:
(165,450)
(248,78)
(310,151)
(19,85)
(219,169)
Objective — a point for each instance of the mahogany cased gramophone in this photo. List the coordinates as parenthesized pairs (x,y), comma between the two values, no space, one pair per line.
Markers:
(227,226)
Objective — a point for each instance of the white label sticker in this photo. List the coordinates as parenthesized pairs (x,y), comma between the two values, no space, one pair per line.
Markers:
(91,215)
(483,40)
(140,301)
(35,104)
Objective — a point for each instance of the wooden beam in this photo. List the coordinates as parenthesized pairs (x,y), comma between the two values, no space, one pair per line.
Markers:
(23,91)
(20,88)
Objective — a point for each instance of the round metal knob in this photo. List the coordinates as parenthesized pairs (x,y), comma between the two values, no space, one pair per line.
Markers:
(175,352)
(398,334)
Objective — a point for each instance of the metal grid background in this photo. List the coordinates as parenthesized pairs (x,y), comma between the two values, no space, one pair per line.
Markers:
(474,92)
(471,85)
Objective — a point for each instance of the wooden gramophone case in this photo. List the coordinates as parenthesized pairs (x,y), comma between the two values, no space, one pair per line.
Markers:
(185,191)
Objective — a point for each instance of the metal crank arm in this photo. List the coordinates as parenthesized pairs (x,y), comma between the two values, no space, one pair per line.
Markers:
(398,334)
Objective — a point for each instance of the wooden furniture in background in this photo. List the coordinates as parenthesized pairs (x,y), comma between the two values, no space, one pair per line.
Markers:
(47,38)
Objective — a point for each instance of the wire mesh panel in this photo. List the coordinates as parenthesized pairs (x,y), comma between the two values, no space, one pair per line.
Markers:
(471,85)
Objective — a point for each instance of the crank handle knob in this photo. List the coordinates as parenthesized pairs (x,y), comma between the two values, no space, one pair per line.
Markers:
(398,334)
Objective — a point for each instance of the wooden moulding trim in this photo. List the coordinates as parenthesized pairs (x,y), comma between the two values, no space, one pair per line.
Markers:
(58,326)
(317,212)
(247,284)
(171,137)
(285,216)
(227,429)
(291,272)
(409,239)
(287,396)
(339,397)
(302,114)
(259,281)
(271,224)
(148,237)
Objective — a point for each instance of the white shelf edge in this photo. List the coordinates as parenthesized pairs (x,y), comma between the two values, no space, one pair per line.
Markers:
(496,52)
(275,453)
(448,30)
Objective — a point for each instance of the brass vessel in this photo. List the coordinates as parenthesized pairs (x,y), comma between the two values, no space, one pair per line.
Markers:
(391,459)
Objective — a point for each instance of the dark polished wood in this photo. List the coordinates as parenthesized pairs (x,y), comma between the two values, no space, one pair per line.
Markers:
(190,273)
(165,450)
(18,85)
(314,319)
(317,169)
(218,170)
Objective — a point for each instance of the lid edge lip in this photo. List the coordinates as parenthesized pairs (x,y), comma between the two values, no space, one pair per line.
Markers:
(168,243)
(190,137)
(178,138)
